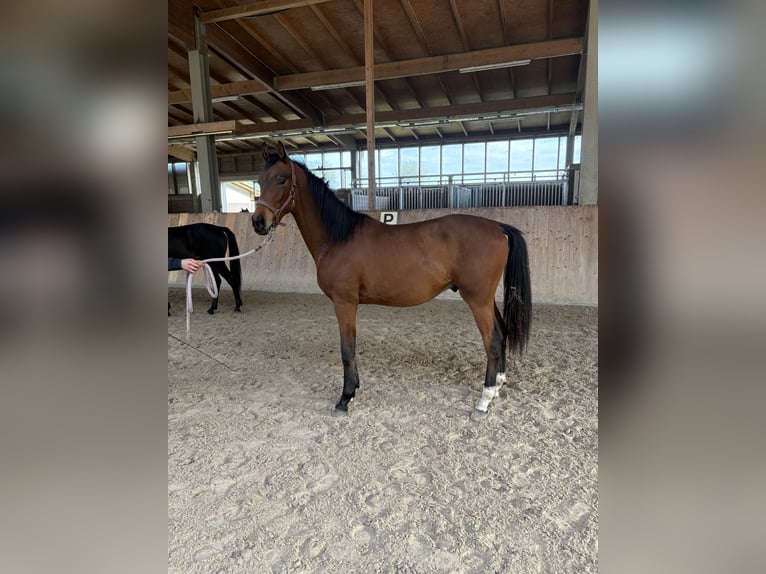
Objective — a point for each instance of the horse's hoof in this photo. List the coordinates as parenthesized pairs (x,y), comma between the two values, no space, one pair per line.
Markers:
(339,412)
(211,311)
(237,311)
(342,407)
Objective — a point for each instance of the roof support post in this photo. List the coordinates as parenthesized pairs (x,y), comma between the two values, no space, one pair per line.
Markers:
(369,81)
(589,144)
(202,107)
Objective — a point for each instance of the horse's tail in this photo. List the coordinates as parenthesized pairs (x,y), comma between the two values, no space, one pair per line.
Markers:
(517,292)
(234,264)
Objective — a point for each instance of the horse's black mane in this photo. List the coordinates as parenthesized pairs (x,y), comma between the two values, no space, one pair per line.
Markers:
(339,220)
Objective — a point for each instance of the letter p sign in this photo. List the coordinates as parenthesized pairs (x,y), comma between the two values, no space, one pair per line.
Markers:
(389,217)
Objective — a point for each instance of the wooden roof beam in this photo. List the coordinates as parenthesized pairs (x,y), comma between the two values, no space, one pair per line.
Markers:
(457,111)
(389,70)
(356,121)
(415,23)
(466,45)
(505,20)
(433,64)
(262,8)
(182,152)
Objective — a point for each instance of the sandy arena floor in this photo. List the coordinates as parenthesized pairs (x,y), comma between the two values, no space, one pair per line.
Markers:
(262,478)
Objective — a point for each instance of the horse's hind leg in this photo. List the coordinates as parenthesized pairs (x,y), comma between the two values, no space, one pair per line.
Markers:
(493,336)
(226,274)
(500,324)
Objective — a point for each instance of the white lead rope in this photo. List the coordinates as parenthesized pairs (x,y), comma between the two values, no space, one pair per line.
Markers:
(210,284)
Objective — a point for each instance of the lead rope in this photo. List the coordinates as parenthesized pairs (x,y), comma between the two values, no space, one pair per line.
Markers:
(210,284)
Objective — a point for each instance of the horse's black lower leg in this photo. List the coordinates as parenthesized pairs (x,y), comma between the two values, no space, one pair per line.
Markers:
(501,326)
(226,274)
(346,314)
(492,329)
(495,359)
(213,306)
(495,374)
(214,303)
(350,377)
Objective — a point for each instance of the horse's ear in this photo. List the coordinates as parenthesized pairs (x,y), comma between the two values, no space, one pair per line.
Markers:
(281,152)
(265,151)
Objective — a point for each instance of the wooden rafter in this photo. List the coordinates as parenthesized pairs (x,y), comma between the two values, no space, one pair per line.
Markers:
(307,47)
(357,121)
(378,38)
(550,37)
(182,152)
(434,64)
(415,23)
(241,32)
(505,21)
(227,41)
(464,40)
(262,8)
(403,68)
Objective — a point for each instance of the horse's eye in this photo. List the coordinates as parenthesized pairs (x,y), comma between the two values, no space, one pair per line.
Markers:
(281,180)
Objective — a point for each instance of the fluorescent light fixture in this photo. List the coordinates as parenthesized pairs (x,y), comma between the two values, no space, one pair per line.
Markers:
(220,99)
(497,66)
(420,123)
(337,86)
(332,130)
(199,133)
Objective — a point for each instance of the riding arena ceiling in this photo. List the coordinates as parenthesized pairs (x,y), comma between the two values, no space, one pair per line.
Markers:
(443,70)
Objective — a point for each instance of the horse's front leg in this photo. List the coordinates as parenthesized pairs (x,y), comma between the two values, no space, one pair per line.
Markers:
(346,314)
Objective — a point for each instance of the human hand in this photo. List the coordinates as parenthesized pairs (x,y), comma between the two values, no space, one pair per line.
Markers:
(191,265)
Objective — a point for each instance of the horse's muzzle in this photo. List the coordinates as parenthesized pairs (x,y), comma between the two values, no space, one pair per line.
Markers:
(259,224)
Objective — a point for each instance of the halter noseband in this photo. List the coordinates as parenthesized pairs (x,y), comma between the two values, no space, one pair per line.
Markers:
(288,200)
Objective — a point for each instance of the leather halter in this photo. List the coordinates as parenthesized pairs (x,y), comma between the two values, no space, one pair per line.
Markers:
(280,211)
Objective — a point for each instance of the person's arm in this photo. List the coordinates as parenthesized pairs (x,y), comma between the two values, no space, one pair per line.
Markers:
(189,264)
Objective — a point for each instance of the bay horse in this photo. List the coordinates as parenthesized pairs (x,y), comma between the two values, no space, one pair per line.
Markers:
(207,241)
(362,261)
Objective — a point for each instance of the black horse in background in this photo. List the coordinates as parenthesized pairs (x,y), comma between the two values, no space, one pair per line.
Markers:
(207,241)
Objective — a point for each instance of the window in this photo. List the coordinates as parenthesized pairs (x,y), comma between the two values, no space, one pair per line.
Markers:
(546,158)
(314,161)
(409,165)
(562,152)
(497,160)
(521,159)
(541,158)
(473,158)
(576,155)
(330,160)
(430,164)
(362,172)
(452,159)
(388,166)
(178,179)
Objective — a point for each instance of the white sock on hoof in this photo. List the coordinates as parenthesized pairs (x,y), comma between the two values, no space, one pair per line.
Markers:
(500,379)
(487,395)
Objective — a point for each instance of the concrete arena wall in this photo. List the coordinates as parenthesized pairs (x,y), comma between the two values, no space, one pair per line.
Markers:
(562,242)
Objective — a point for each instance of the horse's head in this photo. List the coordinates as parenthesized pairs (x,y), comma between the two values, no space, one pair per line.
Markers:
(277,184)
